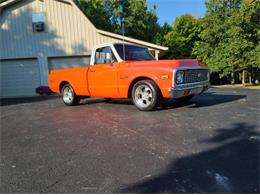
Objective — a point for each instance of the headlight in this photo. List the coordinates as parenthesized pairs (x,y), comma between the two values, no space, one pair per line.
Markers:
(179,77)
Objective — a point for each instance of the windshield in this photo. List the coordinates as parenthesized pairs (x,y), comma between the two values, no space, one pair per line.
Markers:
(133,52)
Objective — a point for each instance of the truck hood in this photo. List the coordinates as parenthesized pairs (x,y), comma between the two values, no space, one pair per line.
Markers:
(165,63)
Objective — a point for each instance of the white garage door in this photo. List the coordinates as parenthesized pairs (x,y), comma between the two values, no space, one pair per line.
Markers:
(19,78)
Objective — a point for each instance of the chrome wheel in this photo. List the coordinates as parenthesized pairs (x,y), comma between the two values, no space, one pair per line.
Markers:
(143,96)
(68,95)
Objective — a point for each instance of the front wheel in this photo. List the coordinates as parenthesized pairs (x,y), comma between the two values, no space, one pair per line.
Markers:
(146,95)
(69,96)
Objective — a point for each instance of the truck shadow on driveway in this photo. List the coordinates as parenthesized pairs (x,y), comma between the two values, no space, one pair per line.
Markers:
(204,100)
(230,167)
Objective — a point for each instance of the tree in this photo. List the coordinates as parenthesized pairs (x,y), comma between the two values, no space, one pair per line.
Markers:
(140,22)
(250,12)
(162,31)
(98,13)
(213,48)
(180,39)
(229,39)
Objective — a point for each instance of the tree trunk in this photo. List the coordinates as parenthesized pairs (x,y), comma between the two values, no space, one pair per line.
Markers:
(243,77)
(253,76)
(232,76)
(250,77)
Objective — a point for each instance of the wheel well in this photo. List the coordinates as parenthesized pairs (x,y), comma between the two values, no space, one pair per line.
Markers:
(62,84)
(135,81)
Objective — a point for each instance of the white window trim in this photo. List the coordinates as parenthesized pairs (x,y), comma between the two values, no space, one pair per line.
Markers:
(92,60)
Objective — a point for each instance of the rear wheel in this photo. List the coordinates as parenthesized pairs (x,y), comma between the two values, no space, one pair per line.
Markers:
(146,95)
(69,96)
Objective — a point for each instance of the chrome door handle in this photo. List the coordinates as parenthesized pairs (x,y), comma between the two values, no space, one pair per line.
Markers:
(92,70)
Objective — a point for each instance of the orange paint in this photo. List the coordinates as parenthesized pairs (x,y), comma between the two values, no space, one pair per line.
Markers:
(114,80)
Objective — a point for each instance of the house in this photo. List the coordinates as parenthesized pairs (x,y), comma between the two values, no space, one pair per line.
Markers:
(40,35)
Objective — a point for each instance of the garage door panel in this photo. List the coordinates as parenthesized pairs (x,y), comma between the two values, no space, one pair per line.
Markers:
(19,78)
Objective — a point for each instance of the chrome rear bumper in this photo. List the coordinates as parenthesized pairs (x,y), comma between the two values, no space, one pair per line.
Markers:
(183,90)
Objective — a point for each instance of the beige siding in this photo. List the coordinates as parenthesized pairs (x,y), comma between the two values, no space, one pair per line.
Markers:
(68,31)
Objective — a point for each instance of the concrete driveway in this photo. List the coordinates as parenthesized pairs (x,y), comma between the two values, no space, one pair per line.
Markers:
(210,145)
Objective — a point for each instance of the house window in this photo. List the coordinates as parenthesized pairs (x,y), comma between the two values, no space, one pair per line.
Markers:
(38,22)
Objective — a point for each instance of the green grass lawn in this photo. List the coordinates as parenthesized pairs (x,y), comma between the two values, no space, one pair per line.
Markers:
(253,87)
(247,86)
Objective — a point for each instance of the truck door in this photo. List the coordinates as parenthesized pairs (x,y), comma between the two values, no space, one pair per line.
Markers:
(102,76)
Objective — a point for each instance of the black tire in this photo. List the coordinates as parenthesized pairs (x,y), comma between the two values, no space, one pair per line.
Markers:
(185,99)
(146,95)
(69,99)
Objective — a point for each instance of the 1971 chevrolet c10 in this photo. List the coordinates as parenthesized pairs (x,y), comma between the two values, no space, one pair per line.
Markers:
(129,71)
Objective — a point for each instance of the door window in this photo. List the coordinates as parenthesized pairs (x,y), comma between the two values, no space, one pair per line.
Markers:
(104,55)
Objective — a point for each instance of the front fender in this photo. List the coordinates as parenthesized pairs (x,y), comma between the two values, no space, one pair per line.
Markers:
(128,78)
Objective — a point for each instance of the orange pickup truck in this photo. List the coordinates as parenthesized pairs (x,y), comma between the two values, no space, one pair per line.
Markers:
(128,71)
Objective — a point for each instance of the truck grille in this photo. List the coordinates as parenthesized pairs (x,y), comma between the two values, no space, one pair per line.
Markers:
(195,75)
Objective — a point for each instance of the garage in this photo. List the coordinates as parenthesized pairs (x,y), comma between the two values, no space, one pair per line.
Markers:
(19,78)
(38,36)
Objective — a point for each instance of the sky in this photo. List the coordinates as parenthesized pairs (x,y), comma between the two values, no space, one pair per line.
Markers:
(168,10)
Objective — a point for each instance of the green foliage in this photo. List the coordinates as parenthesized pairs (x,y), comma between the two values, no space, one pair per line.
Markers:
(227,38)
(139,22)
(97,12)
(160,38)
(180,39)
(230,36)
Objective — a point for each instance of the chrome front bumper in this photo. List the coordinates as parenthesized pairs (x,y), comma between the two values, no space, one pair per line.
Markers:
(183,90)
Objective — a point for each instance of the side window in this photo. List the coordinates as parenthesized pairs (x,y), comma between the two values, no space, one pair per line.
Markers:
(104,55)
